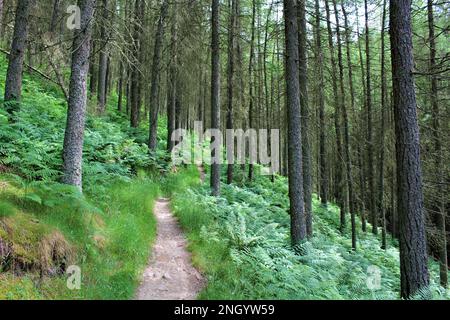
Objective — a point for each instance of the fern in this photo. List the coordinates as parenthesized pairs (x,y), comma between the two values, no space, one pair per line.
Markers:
(253,221)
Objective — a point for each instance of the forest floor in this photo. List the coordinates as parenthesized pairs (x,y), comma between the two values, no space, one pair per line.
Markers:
(170,274)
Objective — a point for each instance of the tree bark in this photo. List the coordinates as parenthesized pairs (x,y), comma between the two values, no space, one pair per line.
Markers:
(298,225)
(74,134)
(251,84)
(343,108)
(441,215)
(362,179)
(172,81)
(215,95)
(338,177)
(265,76)
(13,83)
(323,174)
(347,141)
(103,61)
(135,68)
(370,162)
(155,75)
(230,84)
(304,103)
(413,254)
(120,87)
(381,206)
(93,71)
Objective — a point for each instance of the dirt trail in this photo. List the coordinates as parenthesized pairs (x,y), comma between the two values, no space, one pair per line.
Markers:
(170,274)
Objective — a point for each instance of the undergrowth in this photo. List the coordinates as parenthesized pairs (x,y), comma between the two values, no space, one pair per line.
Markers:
(45,226)
(241,242)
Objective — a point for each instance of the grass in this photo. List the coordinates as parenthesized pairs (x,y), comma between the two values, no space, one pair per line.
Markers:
(111,241)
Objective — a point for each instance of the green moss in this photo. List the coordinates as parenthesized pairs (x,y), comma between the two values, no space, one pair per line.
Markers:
(34,246)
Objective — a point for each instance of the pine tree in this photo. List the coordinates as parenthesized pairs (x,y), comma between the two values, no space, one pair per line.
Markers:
(215,97)
(13,83)
(413,253)
(295,167)
(73,138)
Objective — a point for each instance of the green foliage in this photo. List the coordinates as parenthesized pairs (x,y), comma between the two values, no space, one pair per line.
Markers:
(241,241)
(111,239)
(32,144)
(110,227)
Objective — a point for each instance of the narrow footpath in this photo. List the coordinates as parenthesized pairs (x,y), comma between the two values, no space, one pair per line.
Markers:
(170,274)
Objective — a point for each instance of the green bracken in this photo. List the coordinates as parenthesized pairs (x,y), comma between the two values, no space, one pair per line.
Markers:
(107,231)
(241,242)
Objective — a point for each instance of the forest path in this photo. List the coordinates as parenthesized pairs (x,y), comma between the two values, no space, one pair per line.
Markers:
(170,274)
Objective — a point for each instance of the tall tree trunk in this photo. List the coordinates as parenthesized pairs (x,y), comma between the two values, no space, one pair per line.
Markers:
(120,87)
(338,183)
(343,107)
(304,103)
(109,77)
(230,83)
(347,142)
(370,161)
(141,58)
(172,81)
(441,221)
(265,76)
(73,138)
(323,174)
(362,179)
(93,71)
(135,68)
(413,253)
(215,96)
(298,225)
(13,84)
(178,108)
(251,85)
(103,61)
(381,206)
(128,91)
(154,107)
(281,111)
